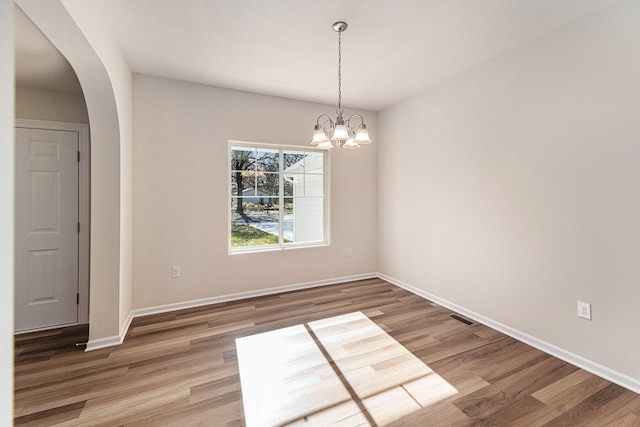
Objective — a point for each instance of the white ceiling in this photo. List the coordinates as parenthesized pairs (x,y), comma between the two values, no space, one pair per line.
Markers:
(391,50)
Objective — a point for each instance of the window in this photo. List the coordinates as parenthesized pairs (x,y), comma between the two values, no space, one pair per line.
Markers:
(277,197)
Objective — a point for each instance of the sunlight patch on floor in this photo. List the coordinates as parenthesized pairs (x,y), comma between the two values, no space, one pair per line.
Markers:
(287,377)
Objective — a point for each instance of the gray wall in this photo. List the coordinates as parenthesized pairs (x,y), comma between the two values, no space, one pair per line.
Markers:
(513,190)
(181,178)
(38,104)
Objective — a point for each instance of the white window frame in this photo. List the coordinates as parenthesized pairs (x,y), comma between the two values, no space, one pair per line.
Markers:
(281,245)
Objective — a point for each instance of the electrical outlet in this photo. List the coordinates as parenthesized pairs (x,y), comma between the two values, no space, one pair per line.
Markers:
(584,310)
(349,252)
(175,271)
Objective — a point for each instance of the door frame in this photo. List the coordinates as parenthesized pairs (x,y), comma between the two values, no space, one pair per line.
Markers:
(84,204)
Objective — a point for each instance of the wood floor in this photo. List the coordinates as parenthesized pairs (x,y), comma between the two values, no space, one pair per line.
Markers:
(181,368)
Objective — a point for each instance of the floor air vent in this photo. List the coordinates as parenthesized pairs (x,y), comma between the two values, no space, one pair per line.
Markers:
(462,319)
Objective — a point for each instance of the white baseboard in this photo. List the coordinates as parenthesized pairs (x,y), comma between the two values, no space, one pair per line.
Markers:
(616,377)
(105,342)
(249,294)
(125,327)
(118,339)
(110,341)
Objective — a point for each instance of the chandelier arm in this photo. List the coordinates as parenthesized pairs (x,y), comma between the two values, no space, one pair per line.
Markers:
(356,115)
(350,126)
(328,125)
(324,115)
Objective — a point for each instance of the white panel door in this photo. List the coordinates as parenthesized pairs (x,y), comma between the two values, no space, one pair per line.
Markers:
(46,228)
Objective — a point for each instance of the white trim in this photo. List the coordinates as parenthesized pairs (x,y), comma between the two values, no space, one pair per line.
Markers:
(609,374)
(274,247)
(249,294)
(84,177)
(84,215)
(103,343)
(125,327)
(113,340)
(118,339)
(325,198)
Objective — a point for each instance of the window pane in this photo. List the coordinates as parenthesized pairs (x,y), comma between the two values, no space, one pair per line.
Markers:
(296,186)
(268,184)
(253,225)
(288,205)
(314,163)
(242,158)
(288,186)
(267,160)
(288,225)
(294,161)
(243,183)
(306,219)
(234,184)
(314,185)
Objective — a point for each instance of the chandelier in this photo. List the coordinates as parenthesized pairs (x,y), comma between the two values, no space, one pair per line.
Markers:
(343,132)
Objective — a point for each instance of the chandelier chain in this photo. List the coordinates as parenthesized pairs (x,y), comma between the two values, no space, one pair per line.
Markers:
(339,110)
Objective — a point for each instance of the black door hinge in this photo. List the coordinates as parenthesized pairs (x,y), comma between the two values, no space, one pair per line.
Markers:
(77,298)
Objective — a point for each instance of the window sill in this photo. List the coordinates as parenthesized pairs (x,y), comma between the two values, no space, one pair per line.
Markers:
(271,248)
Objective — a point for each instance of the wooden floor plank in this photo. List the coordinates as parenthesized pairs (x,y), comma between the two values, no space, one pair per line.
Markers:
(181,368)
(570,390)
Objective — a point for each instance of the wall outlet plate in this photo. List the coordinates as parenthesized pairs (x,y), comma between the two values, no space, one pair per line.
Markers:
(584,310)
(175,271)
